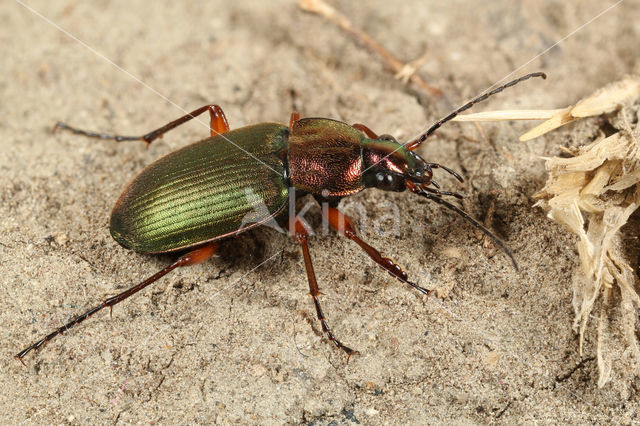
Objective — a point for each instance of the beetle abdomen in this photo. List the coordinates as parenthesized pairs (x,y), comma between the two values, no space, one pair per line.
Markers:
(205,191)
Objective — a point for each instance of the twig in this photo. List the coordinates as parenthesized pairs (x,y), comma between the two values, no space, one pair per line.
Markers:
(401,70)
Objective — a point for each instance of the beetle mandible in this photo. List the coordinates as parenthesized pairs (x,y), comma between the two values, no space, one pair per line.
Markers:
(192,198)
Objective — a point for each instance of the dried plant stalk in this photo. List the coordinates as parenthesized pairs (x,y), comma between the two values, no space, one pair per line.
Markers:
(402,71)
(508,115)
(599,187)
(593,194)
(605,100)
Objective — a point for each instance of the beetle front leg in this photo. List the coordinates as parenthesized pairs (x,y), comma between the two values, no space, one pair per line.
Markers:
(364,129)
(301,235)
(218,125)
(344,225)
(193,257)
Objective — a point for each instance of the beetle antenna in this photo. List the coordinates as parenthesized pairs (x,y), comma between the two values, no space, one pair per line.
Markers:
(447,169)
(416,142)
(421,191)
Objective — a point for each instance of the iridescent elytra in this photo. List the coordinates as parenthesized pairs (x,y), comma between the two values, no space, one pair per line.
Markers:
(194,197)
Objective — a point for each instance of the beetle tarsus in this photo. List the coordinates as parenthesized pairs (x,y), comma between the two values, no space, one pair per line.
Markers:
(19,358)
(352,352)
(218,125)
(344,225)
(97,135)
(191,258)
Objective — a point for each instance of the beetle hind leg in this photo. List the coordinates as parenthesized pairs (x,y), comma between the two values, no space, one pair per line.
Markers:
(218,125)
(344,225)
(193,257)
(301,235)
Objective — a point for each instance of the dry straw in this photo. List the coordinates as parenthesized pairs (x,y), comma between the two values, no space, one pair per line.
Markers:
(593,194)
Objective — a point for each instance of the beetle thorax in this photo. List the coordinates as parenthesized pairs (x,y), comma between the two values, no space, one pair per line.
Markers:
(325,158)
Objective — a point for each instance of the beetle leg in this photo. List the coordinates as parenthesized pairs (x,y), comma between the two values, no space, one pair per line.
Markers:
(301,235)
(218,126)
(344,225)
(198,255)
(367,131)
(295,116)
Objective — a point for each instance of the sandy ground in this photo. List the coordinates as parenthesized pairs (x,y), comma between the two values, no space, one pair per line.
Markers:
(235,339)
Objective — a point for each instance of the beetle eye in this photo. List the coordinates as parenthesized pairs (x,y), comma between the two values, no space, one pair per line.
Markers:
(389,181)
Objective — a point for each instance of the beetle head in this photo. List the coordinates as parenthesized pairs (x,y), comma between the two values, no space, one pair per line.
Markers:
(393,167)
(389,165)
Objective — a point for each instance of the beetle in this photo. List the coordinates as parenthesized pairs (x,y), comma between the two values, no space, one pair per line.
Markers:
(194,197)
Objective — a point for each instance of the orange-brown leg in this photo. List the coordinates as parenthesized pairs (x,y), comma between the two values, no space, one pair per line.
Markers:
(295,116)
(198,255)
(344,225)
(218,125)
(367,131)
(301,235)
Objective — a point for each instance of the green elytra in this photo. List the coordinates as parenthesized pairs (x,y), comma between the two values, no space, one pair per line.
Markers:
(203,192)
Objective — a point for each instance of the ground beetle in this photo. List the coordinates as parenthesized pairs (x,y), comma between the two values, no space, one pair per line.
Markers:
(196,196)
